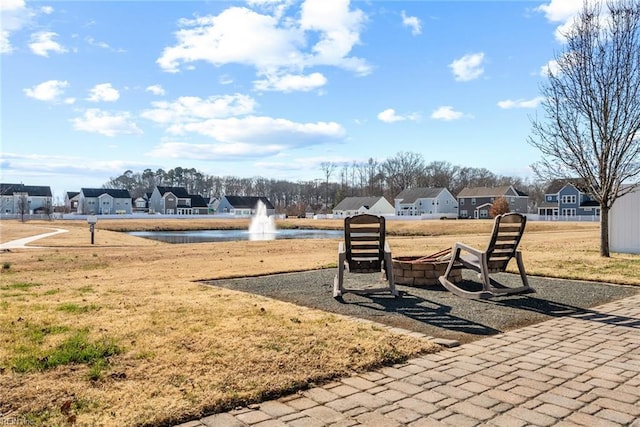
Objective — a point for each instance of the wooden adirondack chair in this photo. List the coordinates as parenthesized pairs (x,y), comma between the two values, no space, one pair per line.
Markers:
(364,250)
(503,245)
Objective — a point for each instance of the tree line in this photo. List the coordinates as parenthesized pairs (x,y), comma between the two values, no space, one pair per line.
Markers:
(371,178)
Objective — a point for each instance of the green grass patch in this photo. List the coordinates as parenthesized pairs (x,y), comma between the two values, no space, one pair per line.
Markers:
(74,308)
(76,349)
(22,286)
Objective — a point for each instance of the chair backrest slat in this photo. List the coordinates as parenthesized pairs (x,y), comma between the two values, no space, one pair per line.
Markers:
(505,238)
(364,237)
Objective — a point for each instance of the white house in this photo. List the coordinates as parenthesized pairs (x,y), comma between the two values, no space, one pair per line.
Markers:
(104,201)
(423,201)
(350,206)
(624,224)
(27,199)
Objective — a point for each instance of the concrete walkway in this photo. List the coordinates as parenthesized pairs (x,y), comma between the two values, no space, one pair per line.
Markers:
(22,243)
(582,370)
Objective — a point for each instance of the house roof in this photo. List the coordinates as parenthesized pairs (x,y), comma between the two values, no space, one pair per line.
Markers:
(488,191)
(113,192)
(72,194)
(31,190)
(180,192)
(198,201)
(558,184)
(248,202)
(355,203)
(410,195)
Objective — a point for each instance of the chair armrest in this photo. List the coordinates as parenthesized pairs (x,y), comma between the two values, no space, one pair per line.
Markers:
(462,247)
(341,249)
(387,248)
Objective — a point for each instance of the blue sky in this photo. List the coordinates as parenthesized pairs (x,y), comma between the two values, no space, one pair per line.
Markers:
(268,88)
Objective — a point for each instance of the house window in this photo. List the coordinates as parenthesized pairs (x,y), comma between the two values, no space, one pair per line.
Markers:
(549,198)
(462,201)
(473,201)
(569,200)
(568,212)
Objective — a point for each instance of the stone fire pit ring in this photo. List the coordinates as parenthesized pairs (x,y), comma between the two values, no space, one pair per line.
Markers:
(416,271)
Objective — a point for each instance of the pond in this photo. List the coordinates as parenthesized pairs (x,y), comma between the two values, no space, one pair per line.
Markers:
(201,236)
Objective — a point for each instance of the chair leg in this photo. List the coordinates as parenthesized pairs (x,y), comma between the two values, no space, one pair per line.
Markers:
(388,270)
(338,281)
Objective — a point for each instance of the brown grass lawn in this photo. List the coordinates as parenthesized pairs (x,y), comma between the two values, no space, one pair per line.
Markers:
(121,332)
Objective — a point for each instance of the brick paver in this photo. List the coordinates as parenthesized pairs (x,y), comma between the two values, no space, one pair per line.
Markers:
(582,370)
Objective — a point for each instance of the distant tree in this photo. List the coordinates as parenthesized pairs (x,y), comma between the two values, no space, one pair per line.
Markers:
(499,206)
(327,169)
(23,206)
(592,106)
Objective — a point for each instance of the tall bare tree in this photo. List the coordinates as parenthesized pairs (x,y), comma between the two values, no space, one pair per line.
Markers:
(592,106)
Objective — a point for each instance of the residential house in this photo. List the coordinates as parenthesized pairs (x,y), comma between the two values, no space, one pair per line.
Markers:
(243,205)
(25,199)
(568,197)
(141,204)
(71,201)
(170,201)
(435,202)
(104,201)
(476,202)
(199,205)
(350,206)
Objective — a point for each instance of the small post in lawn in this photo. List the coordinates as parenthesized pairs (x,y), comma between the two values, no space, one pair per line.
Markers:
(92,220)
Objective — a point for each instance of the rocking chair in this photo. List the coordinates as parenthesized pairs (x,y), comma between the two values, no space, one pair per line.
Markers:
(503,245)
(364,250)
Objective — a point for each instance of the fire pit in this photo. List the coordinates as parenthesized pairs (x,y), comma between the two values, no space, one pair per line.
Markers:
(423,270)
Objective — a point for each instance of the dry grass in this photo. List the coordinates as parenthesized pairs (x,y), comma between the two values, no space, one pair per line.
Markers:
(188,349)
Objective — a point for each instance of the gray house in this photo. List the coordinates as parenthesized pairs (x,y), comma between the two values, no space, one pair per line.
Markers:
(170,201)
(568,197)
(476,202)
(243,205)
(104,201)
(350,206)
(25,199)
(71,201)
(436,202)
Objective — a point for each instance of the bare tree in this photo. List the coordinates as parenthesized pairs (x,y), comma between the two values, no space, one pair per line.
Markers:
(592,106)
(327,170)
(23,206)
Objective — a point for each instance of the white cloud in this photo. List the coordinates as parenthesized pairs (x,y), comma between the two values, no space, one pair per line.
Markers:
(47,10)
(103,92)
(252,136)
(413,23)
(43,42)
(551,66)
(47,91)
(14,15)
(104,123)
(227,121)
(446,113)
(156,90)
(290,83)
(564,13)
(389,116)
(189,109)
(469,67)
(5,44)
(560,10)
(520,103)
(260,130)
(273,44)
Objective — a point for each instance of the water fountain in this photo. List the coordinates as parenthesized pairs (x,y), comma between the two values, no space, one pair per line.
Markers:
(262,226)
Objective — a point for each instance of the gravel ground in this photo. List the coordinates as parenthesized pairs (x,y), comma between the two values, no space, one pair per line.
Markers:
(432,310)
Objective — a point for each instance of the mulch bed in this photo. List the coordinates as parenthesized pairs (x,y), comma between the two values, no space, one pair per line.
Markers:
(431,309)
